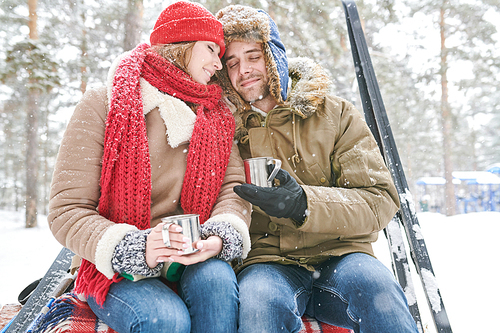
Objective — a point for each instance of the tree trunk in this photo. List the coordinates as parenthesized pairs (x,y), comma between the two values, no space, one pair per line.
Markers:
(446,123)
(32,4)
(32,134)
(32,160)
(84,55)
(46,174)
(133,23)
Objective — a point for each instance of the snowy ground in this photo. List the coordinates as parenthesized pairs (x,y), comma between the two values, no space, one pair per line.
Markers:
(462,249)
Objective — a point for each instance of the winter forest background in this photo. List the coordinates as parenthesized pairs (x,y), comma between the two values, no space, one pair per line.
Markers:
(437,63)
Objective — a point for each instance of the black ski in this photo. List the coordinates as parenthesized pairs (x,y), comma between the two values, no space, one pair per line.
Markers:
(393,232)
(49,286)
(376,118)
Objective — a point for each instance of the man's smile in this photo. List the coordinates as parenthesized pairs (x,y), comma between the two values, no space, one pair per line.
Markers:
(249,82)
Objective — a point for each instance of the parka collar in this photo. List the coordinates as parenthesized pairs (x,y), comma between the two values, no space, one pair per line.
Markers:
(310,85)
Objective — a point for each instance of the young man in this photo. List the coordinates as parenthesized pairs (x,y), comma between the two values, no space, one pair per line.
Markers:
(311,233)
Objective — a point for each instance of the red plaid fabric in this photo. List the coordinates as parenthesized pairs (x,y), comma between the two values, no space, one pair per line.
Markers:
(69,314)
(311,325)
(85,321)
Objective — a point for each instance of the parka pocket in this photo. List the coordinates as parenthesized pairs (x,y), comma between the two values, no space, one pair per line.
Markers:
(355,170)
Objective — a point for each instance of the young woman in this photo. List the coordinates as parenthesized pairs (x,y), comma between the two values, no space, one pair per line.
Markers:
(156,142)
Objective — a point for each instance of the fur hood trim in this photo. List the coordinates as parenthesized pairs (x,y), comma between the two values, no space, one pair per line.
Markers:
(178,117)
(310,85)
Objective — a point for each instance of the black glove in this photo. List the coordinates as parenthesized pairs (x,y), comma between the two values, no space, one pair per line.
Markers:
(287,200)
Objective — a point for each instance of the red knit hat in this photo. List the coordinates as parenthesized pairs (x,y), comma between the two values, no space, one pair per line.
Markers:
(187,22)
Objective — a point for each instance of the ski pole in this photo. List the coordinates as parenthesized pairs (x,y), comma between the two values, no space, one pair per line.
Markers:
(8,324)
(60,289)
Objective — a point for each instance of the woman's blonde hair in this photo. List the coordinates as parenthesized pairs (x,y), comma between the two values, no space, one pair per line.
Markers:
(178,54)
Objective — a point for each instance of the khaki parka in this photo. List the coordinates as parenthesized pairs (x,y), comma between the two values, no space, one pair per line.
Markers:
(73,208)
(332,154)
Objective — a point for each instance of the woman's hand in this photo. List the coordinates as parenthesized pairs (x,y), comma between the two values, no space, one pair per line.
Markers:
(156,251)
(208,248)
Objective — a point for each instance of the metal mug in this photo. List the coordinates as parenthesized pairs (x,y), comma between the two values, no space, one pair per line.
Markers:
(256,171)
(190,224)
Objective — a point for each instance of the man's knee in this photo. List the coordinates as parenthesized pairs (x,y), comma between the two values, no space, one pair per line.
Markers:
(258,281)
(266,289)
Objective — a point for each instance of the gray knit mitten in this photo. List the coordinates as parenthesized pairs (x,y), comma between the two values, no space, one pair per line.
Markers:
(130,255)
(232,242)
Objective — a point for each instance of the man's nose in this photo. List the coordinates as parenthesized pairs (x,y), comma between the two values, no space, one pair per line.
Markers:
(245,67)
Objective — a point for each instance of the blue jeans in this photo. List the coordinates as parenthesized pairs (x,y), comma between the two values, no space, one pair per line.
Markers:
(207,302)
(354,291)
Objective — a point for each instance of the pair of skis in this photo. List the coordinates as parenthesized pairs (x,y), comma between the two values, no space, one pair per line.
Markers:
(377,120)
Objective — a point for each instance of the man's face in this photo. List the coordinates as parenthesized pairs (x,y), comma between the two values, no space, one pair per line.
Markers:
(247,71)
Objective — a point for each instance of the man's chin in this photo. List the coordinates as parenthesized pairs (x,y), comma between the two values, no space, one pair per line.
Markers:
(254,100)
(251,98)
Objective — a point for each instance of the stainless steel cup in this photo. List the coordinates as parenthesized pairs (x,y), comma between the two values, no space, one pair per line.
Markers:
(190,224)
(256,170)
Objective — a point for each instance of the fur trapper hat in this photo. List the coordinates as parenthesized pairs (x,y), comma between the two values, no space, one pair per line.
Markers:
(247,24)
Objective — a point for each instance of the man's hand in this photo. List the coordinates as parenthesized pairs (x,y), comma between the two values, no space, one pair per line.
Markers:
(287,200)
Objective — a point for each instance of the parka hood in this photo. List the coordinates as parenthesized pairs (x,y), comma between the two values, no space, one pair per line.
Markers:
(310,85)
(247,24)
(309,82)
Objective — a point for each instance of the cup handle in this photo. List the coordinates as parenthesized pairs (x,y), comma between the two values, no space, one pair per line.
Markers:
(277,167)
(165,234)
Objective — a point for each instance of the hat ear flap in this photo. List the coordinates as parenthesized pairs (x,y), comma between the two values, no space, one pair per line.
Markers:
(278,62)
(272,74)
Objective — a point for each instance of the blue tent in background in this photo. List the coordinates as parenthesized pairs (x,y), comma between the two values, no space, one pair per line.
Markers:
(482,188)
(495,168)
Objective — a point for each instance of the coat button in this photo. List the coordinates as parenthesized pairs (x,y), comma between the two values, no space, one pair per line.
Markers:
(323,179)
(272,226)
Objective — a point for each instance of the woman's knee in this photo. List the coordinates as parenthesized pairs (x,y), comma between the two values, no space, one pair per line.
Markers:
(212,274)
(209,269)
(143,306)
(176,318)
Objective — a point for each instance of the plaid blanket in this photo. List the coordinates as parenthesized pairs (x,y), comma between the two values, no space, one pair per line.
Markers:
(70,315)
(311,325)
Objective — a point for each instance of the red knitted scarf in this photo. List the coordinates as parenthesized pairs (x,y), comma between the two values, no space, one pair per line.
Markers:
(126,167)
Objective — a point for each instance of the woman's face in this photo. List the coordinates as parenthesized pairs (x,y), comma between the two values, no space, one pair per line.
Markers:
(204,61)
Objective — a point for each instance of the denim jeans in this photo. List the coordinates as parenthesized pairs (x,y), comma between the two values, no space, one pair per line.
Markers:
(208,302)
(210,292)
(354,291)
